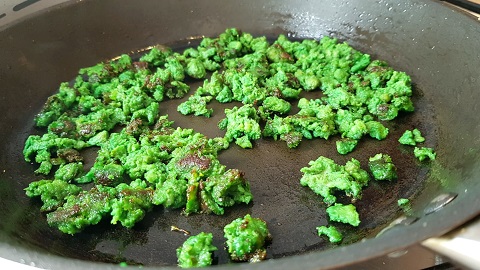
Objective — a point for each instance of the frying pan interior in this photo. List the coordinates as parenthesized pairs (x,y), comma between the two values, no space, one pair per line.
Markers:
(437,46)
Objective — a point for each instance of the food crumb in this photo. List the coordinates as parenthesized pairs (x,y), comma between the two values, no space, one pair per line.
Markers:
(404,204)
(344,213)
(423,153)
(411,137)
(333,234)
(246,239)
(196,251)
(382,167)
(326,178)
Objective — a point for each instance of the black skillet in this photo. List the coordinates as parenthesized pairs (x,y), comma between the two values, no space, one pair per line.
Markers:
(437,46)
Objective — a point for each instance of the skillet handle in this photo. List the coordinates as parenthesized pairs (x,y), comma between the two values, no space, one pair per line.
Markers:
(473,7)
(461,245)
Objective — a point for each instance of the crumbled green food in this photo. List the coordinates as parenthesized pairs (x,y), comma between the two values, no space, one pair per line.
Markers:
(350,125)
(344,213)
(81,210)
(196,105)
(356,90)
(314,120)
(69,171)
(131,203)
(423,153)
(333,234)
(411,137)
(246,239)
(143,161)
(404,204)
(196,251)
(382,167)
(346,145)
(276,105)
(51,192)
(196,69)
(376,130)
(220,191)
(173,167)
(242,125)
(325,177)
(41,148)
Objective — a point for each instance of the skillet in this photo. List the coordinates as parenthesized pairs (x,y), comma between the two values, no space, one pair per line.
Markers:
(437,46)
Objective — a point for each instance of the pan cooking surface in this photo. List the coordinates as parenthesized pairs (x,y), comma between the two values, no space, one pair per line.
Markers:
(291,211)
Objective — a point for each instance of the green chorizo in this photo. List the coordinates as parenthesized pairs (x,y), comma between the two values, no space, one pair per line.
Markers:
(246,239)
(196,251)
(145,162)
(382,167)
(333,234)
(344,213)
(325,177)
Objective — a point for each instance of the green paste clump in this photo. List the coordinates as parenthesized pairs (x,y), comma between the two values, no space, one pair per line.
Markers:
(411,137)
(346,145)
(173,167)
(382,167)
(241,125)
(333,234)
(403,202)
(51,192)
(423,153)
(196,105)
(358,92)
(405,205)
(274,105)
(50,149)
(344,213)
(82,210)
(325,178)
(246,239)
(143,161)
(196,251)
